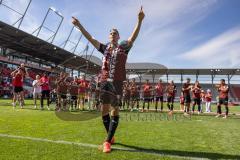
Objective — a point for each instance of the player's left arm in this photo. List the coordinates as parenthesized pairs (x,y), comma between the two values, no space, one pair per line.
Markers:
(134,35)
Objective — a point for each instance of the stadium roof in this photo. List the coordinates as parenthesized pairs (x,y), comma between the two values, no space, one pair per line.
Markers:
(166,71)
(13,38)
(226,71)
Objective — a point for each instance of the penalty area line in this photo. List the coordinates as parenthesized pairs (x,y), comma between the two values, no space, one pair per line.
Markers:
(96,146)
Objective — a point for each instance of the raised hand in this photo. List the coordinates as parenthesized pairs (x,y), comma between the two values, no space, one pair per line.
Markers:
(75,21)
(141,14)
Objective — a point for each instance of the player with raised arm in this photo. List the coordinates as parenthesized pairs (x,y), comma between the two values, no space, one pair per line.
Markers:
(113,74)
(17,81)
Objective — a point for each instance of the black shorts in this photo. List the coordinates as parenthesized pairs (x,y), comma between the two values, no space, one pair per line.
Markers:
(197,101)
(46,93)
(159,98)
(126,98)
(187,99)
(111,92)
(63,96)
(147,99)
(73,97)
(18,89)
(134,97)
(170,99)
(223,101)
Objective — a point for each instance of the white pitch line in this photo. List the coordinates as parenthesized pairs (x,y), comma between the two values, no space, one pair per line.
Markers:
(97,146)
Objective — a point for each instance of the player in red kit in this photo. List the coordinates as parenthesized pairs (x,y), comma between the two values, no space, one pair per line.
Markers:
(159,88)
(17,82)
(223,98)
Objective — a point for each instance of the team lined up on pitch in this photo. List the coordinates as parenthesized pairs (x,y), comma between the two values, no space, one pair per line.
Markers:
(72,93)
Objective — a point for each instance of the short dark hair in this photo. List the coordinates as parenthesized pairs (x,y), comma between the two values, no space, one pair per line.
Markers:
(114,30)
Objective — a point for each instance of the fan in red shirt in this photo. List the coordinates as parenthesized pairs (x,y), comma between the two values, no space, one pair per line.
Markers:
(17,82)
(44,83)
(223,98)
(159,94)
(196,95)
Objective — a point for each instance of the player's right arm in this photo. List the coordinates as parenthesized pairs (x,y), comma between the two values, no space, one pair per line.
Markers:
(93,41)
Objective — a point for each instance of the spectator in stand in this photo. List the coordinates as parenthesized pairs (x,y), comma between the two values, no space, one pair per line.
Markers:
(208,99)
(44,83)
(36,90)
(17,76)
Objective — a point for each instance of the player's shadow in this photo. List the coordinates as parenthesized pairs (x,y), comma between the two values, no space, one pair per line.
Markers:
(176,153)
(77,116)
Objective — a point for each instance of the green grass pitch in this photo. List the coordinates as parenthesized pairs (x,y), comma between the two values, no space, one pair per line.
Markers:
(35,134)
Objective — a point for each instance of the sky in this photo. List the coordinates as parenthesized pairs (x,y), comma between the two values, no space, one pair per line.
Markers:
(174,33)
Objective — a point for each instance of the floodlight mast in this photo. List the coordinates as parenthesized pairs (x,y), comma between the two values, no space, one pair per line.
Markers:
(22,14)
(45,17)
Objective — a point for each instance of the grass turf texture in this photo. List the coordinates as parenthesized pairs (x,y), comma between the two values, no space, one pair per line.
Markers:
(201,136)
